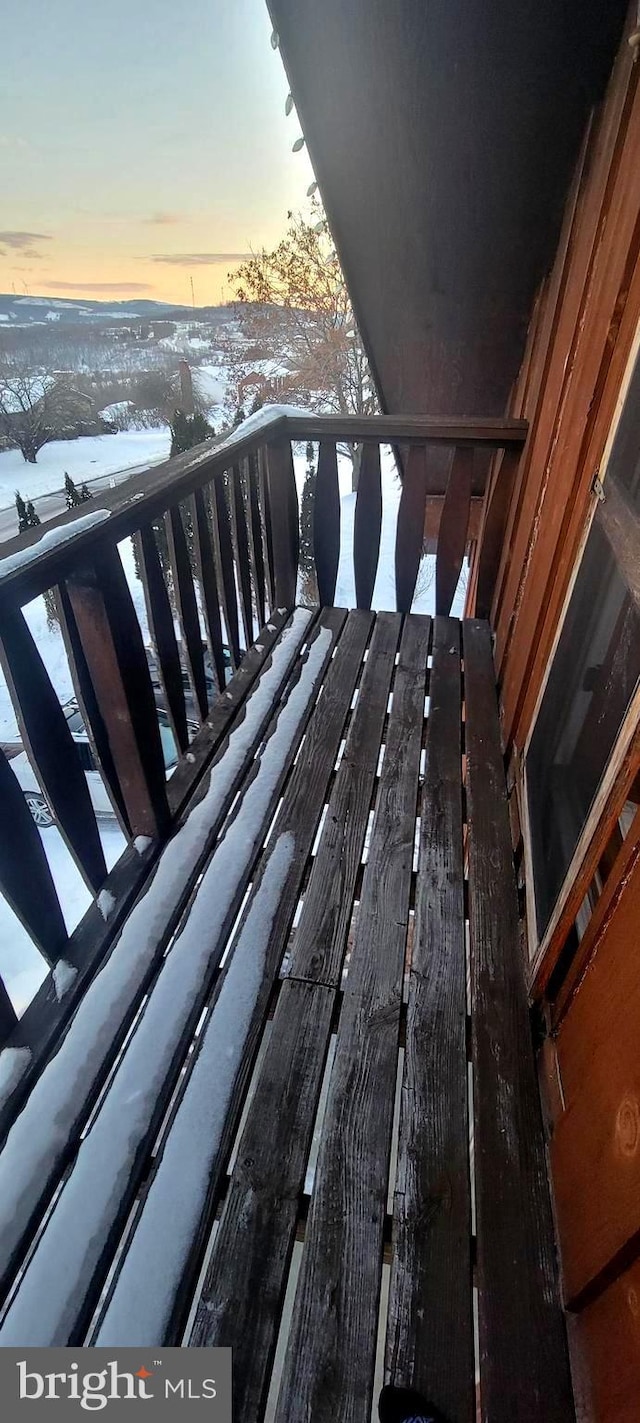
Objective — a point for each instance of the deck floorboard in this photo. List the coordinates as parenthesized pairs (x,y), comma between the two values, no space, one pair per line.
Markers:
(331,1022)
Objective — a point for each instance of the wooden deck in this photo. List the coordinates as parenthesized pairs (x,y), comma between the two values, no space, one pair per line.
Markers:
(315,901)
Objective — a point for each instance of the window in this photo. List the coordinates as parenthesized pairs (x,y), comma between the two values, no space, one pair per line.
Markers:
(590,697)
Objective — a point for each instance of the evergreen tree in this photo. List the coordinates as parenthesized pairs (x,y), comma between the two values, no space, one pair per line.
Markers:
(188,431)
(309,588)
(27,517)
(21,510)
(73,495)
(238,417)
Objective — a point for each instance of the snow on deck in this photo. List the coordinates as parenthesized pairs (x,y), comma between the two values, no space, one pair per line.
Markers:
(155,1261)
(44,1308)
(39,1134)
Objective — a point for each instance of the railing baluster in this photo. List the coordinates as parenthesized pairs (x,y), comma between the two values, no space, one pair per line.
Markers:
(241,541)
(8,1015)
(492,529)
(285,530)
(187,607)
(224,560)
(454,523)
(267,528)
(160,618)
(87,700)
(410,527)
(113,649)
(326,523)
(208,582)
(49,741)
(255,537)
(25,878)
(367,524)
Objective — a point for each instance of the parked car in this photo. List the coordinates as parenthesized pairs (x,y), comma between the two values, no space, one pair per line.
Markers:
(37,802)
(189,699)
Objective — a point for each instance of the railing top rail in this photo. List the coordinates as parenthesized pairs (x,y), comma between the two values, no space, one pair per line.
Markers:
(409,429)
(36,561)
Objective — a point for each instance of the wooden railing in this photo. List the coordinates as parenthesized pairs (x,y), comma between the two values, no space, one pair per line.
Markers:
(216,537)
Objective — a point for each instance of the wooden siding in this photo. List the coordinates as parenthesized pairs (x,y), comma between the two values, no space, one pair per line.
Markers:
(582,332)
(582,335)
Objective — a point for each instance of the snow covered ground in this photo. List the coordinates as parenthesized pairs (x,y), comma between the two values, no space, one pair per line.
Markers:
(83,459)
(21,965)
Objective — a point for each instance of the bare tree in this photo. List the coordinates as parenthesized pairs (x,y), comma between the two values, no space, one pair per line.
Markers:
(296,322)
(35,406)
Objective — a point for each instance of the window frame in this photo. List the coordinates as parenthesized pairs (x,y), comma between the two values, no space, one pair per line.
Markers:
(619,773)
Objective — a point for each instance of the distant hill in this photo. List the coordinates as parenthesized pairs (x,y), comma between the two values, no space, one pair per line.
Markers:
(35,310)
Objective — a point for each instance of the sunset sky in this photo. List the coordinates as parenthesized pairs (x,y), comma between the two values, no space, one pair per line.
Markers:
(142,144)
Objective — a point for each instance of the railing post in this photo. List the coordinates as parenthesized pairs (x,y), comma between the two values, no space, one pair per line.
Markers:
(326,523)
(497,502)
(410,527)
(454,523)
(283,505)
(109,635)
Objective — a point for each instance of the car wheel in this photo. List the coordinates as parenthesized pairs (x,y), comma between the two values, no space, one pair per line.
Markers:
(39,810)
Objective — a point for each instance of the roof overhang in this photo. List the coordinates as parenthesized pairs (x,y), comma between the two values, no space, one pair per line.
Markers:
(443,136)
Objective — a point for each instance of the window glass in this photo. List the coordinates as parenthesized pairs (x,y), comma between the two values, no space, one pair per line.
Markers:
(595,672)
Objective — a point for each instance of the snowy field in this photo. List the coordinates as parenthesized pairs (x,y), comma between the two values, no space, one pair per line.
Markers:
(83,459)
(20,964)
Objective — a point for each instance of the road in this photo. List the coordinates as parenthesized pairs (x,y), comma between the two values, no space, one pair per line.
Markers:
(48,505)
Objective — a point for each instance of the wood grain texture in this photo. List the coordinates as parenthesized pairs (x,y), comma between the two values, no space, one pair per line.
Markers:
(367,524)
(26,879)
(493,530)
(89,705)
(326,522)
(523,1356)
(302,800)
(52,750)
(249,1264)
(318,947)
(247,1275)
(206,565)
(593,340)
(452,534)
(595,1149)
(410,526)
(223,546)
(187,605)
(283,513)
(409,429)
(607,1334)
(116,662)
(329,1365)
(430,1327)
(160,619)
